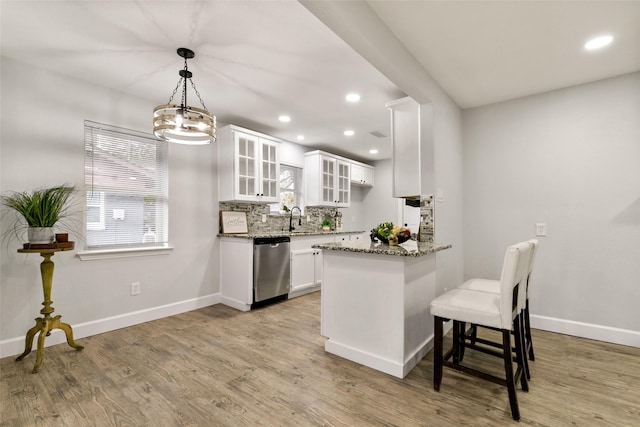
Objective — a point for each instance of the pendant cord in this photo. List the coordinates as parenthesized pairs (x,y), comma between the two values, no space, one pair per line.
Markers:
(184,87)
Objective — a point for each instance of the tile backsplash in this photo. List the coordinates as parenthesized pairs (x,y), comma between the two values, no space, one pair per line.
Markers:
(276,222)
(426,218)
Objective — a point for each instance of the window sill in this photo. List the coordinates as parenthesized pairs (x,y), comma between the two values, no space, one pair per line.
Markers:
(92,255)
(284,214)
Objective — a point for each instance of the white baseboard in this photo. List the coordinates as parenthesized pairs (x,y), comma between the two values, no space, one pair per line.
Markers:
(304,291)
(234,303)
(15,346)
(378,363)
(587,330)
(416,357)
(388,366)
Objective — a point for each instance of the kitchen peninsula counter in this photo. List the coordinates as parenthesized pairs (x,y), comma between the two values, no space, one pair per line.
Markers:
(375,302)
(410,248)
(286,233)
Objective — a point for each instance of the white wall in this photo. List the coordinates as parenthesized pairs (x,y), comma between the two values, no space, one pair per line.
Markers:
(448,173)
(569,158)
(358,25)
(292,154)
(379,205)
(42,143)
(353,217)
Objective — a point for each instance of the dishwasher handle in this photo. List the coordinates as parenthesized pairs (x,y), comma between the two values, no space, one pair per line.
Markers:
(272,241)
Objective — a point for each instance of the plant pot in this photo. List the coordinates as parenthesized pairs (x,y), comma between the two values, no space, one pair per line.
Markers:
(41,235)
(62,237)
(326,228)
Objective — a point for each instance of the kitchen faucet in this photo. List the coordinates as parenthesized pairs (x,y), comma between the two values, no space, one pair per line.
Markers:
(291,227)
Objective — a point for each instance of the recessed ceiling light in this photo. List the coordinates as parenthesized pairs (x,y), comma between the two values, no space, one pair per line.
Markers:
(349,132)
(373,151)
(598,42)
(300,137)
(284,118)
(353,97)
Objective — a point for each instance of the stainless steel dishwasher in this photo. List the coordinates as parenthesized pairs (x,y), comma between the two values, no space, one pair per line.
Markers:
(271,268)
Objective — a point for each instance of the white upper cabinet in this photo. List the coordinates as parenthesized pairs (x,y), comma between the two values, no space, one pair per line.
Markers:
(412,148)
(248,166)
(362,174)
(328,180)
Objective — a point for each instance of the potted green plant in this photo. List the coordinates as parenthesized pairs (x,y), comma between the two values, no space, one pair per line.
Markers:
(326,225)
(41,209)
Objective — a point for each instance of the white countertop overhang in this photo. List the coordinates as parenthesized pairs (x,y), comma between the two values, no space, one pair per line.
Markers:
(410,248)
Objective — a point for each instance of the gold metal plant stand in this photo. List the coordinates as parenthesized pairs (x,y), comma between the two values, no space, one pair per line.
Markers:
(46,323)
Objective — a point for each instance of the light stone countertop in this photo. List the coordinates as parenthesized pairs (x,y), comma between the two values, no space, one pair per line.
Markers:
(410,248)
(286,233)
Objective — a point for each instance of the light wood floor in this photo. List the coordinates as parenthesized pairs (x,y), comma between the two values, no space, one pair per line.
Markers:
(221,367)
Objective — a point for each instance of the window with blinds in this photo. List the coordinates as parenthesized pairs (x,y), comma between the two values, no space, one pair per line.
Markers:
(290,188)
(126,186)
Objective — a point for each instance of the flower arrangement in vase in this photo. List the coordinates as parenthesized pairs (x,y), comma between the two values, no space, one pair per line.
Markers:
(287,199)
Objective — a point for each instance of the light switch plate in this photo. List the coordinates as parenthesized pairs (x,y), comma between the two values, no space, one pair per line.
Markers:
(541,229)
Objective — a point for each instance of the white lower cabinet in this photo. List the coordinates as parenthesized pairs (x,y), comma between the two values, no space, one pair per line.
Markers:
(306,263)
(236,267)
(236,272)
(363,236)
(306,271)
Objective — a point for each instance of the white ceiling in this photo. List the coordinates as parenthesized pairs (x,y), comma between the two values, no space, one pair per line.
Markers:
(256,60)
(482,52)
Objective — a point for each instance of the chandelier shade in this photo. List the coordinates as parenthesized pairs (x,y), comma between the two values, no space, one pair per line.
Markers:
(182,124)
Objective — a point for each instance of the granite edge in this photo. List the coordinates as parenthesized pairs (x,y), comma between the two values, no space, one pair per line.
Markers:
(385,249)
(281,234)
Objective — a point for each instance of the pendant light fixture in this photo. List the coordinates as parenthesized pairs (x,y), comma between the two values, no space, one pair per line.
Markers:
(180,123)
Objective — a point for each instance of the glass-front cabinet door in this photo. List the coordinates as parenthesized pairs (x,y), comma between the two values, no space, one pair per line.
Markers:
(258,168)
(344,183)
(328,180)
(270,172)
(247,162)
(248,166)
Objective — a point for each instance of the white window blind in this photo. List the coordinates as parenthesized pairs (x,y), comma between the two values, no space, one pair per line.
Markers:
(126,184)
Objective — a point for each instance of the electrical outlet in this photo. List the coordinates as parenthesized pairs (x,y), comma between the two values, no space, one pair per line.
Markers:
(541,229)
(135,288)
(264,218)
(308,218)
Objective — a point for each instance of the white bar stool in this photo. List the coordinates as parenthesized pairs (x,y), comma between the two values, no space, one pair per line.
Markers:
(493,286)
(499,311)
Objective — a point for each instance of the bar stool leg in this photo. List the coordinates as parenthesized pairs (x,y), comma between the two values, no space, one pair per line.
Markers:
(521,359)
(437,352)
(523,343)
(508,370)
(527,330)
